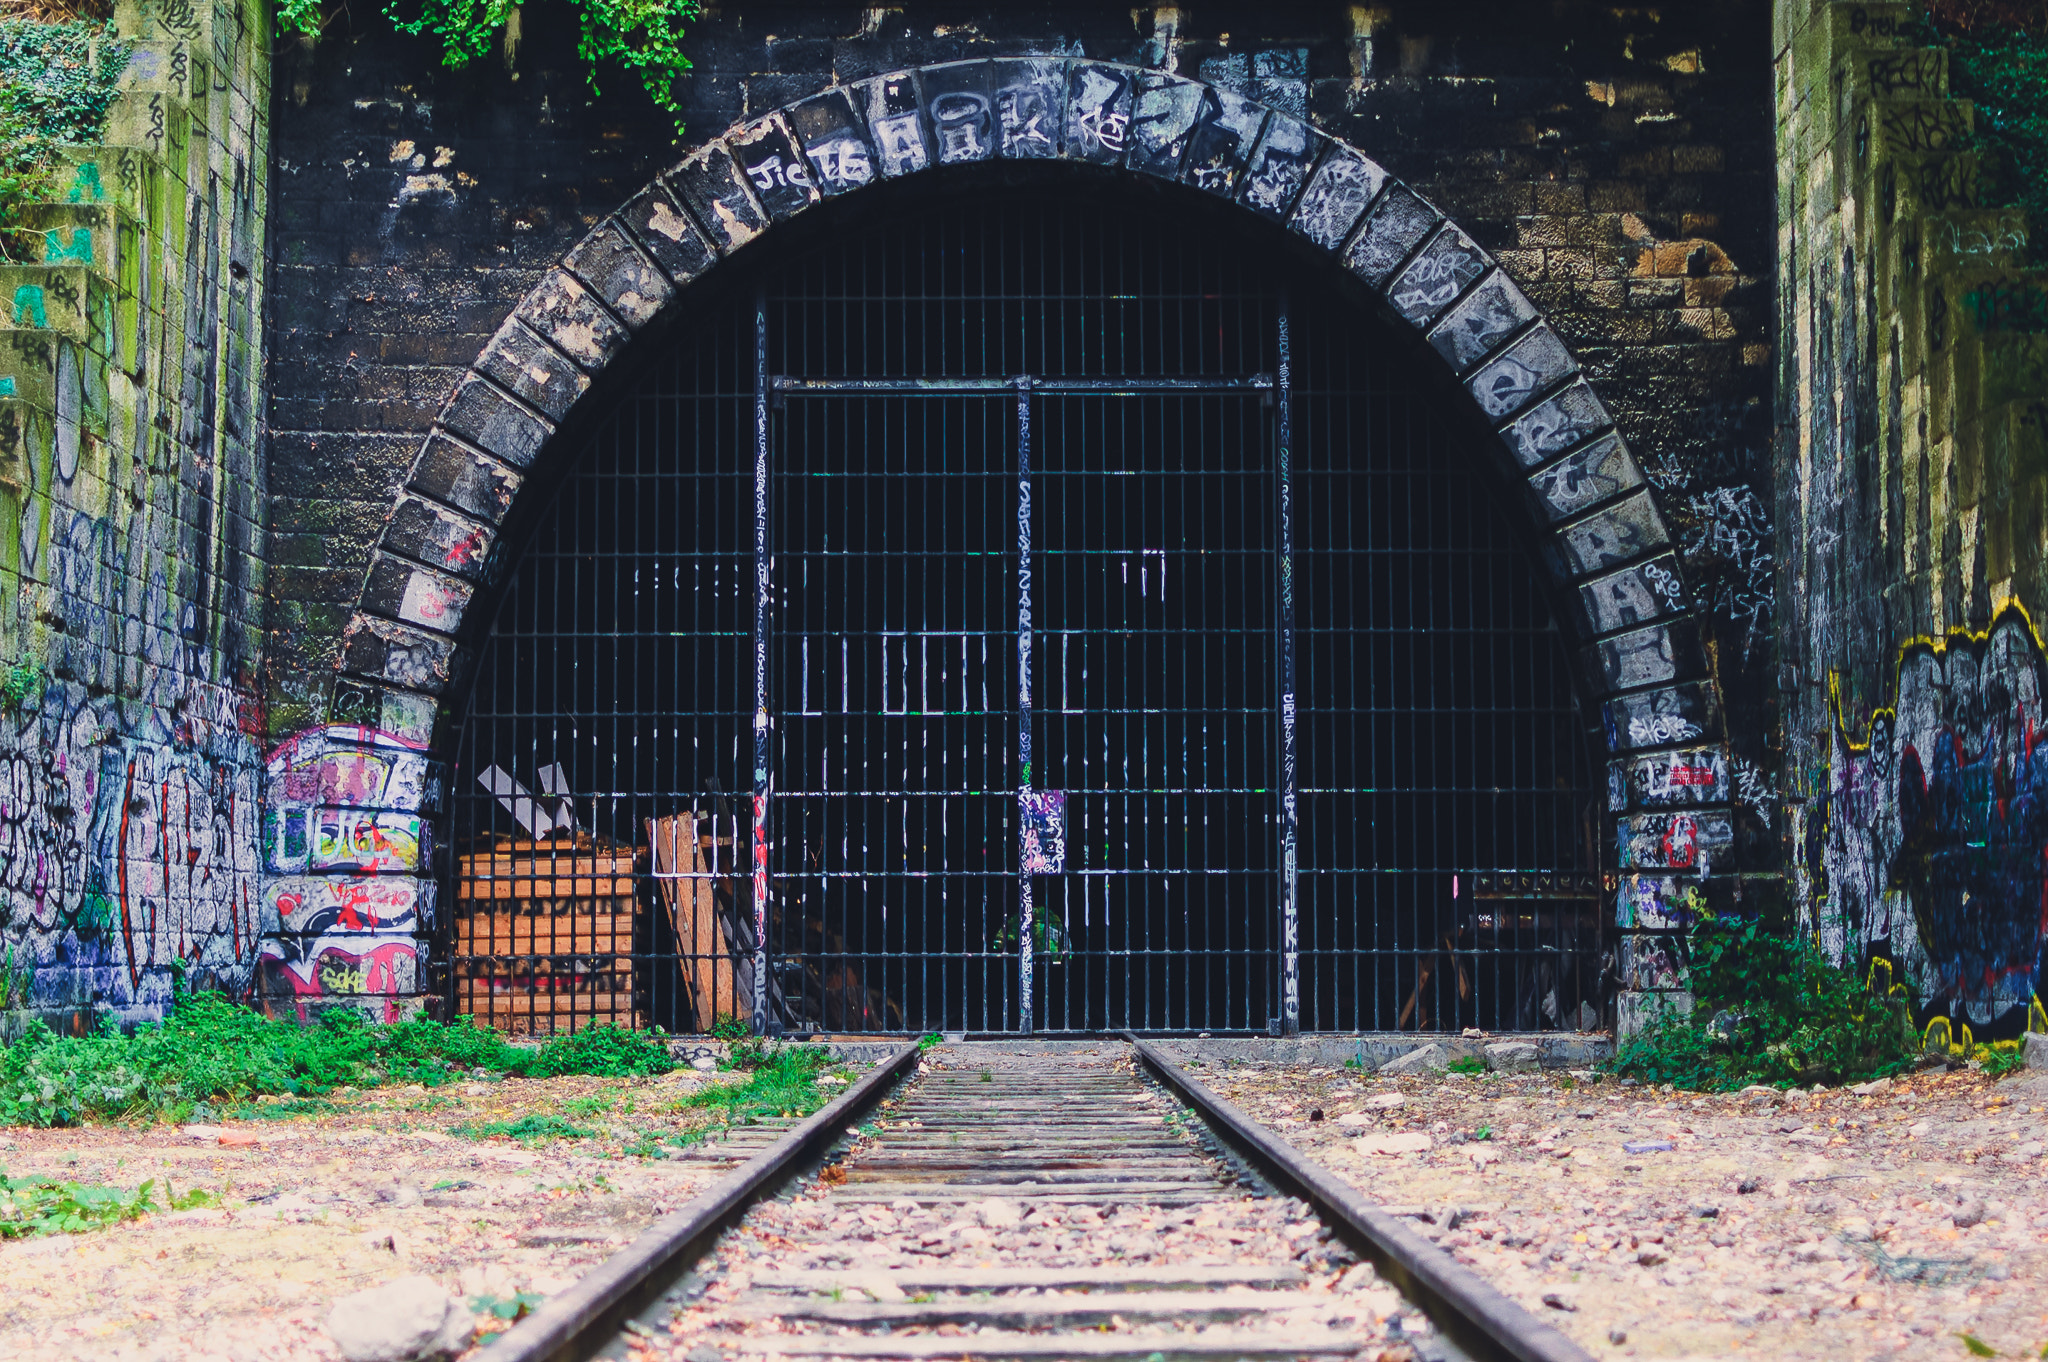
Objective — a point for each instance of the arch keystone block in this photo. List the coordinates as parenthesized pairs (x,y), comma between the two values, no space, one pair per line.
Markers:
(1481,322)
(1637,594)
(780,177)
(835,142)
(1098,116)
(1338,193)
(894,107)
(1557,424)
(1538,361)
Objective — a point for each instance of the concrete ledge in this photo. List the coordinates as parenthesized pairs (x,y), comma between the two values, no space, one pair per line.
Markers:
(1368,1050)
(1375,1049)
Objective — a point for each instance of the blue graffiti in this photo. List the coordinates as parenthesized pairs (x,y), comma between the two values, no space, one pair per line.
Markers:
(1975,857)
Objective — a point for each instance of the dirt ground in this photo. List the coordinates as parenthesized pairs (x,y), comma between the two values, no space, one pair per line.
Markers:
(362,1188)
(1821,1225)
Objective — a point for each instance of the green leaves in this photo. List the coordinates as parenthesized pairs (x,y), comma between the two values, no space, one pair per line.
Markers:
(213,1051)
(643,37)
(1771,1009)
(35,1206)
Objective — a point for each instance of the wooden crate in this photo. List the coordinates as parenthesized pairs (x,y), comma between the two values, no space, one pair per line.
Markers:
(544,936)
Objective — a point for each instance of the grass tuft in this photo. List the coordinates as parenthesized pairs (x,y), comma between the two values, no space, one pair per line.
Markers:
(212,1052)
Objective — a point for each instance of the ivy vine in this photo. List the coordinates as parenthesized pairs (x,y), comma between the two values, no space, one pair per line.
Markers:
(642,37)
(1998,59)
(57,83)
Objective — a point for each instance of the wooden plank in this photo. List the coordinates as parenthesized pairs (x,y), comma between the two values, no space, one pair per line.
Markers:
(683,878)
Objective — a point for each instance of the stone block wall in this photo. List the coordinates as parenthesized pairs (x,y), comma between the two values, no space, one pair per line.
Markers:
(132,505)
(1912,476)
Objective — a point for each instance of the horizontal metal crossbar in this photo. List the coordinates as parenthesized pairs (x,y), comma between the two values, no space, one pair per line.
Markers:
(1052,386)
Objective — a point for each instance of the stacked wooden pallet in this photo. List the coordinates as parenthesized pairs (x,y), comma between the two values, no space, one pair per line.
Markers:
(544,935)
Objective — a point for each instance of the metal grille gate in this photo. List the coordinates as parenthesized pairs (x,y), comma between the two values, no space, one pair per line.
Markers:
(972,546)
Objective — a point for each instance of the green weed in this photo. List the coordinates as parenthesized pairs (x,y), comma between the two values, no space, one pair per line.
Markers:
(784,1083)
(1769,1008)
(1467,1064)
(211,1051)
(529,1129)
(36,1206)
(505,1311)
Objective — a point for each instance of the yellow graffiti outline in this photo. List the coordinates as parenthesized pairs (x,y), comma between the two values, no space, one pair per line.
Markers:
(1939,648)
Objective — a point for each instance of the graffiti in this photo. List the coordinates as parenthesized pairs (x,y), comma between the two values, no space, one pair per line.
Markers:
(1674,841)
(1026,113)
(1337,197)
(1932,841)
(1948,182)
(1753,790)
(1443,271)
(28,307)
(1977,239)
(1918,71)
(120,860)
(1695,776)
(343,842)
(2008,307)
(1042,837)
(1918,126)
(962,120)
(1098,113)
(1729,552)
(899,132)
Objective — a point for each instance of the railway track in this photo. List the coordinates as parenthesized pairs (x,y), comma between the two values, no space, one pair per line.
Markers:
(1029,1202)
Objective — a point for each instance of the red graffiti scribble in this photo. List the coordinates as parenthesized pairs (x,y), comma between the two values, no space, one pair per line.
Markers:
(1681,841)
(470,550)
(1692,775)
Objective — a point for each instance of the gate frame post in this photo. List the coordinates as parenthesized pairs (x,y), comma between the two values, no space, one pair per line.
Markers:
(1024,908)
(762,565)
(1283,467)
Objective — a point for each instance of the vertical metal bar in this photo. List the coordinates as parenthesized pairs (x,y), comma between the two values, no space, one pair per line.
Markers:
(1024,943)
(761,620)
(1283,471)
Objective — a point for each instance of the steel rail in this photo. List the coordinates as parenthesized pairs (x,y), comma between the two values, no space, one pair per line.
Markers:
(1471,1313)
(575,1324)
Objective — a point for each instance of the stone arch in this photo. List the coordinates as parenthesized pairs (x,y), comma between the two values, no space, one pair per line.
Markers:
(1616,580)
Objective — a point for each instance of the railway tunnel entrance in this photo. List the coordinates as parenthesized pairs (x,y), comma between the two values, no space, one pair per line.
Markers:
(1036,614)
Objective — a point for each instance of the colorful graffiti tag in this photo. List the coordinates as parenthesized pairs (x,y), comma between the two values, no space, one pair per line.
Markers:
(344,851)
(1931,844)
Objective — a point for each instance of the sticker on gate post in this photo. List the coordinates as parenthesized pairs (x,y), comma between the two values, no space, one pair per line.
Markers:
(1042,848)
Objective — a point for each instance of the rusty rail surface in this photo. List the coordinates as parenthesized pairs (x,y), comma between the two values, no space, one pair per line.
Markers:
(575,1324)
(1470,1312)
